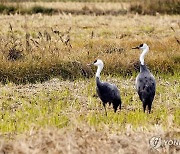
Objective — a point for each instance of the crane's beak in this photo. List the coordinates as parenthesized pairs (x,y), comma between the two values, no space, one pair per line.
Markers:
(135,48)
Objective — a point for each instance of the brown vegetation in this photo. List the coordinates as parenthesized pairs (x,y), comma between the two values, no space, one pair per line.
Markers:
(61,116)
(40,47)
(153,7)
(85,140)
(90,8)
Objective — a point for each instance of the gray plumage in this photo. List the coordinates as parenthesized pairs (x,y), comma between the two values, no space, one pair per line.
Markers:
(145,81)
(108,93)
(146,87)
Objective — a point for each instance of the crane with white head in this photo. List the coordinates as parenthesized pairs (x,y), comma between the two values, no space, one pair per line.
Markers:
(108,93)
(145,81)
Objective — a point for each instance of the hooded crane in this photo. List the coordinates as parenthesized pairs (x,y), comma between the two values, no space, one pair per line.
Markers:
(145,81)
(108,93)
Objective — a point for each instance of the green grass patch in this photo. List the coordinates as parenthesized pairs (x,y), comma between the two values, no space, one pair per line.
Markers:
(40,110)
(52,105)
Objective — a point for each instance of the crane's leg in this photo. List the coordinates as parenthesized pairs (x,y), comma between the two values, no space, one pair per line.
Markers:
(149,108)
(120,104)
(105,109)
(144,107)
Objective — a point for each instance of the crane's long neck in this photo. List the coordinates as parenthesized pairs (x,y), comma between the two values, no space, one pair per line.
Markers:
(143,55)
(99,69)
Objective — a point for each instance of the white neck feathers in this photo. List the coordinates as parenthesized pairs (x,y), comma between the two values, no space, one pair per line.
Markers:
(99,69)
(143,55)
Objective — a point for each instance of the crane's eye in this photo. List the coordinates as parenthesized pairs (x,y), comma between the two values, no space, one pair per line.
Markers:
(95,61)
(141,45)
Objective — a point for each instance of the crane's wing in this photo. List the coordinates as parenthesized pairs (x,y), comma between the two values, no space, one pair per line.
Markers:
(107,91)
(146,86)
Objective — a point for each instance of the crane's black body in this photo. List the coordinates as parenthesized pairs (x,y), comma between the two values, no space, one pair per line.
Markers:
(146,87)
(108,93)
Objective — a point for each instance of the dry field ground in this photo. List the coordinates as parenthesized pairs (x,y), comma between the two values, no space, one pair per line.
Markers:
(63,114)
(67,117)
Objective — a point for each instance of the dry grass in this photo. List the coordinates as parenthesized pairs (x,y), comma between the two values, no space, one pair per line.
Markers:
(62,116)
(91,8)
(36,48)
(77,8)
(156,6)
(65,116)
(85,139)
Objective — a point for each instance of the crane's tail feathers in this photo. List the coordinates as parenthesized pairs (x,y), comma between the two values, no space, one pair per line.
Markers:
(116,103)
(105,109)
(120,106)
